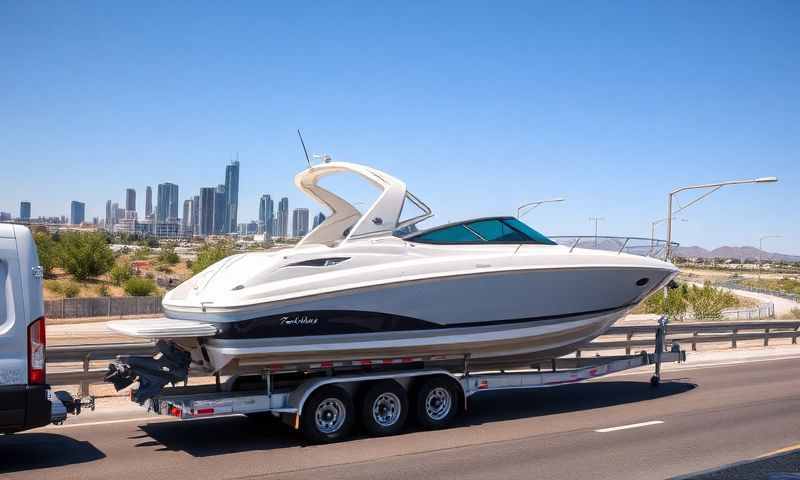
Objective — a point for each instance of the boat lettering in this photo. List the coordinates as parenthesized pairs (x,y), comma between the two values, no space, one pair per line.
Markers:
(299,320)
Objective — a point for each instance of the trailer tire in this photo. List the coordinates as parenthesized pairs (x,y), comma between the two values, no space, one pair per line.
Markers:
(328,415)
(384,408)
(437,402)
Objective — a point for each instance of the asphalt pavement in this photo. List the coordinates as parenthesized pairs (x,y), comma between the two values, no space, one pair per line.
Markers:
(618,427)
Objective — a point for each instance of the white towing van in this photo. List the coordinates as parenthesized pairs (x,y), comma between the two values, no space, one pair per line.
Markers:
(25,398)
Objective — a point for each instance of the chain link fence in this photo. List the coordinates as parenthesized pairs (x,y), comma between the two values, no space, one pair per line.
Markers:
(102,307)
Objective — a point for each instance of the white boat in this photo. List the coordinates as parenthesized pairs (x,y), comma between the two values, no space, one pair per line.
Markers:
(370,288)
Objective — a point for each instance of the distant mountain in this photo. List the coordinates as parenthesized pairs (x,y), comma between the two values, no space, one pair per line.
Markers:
(732,252)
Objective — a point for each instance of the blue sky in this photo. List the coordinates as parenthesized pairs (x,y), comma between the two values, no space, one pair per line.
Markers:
(478,106)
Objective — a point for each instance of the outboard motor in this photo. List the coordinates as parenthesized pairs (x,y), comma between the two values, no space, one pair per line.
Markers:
(170,365)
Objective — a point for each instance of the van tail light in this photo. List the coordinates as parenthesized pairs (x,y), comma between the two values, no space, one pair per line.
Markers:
(36,350)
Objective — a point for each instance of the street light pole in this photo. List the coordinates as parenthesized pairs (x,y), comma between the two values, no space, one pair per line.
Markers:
(714,187)
(761,249)
(595,220)
(536,204)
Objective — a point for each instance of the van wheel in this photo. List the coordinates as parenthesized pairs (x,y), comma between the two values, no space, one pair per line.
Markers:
(436,402)
(384,408)
(328,415)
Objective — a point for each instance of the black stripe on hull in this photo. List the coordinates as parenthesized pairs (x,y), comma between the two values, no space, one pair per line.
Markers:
(339,322)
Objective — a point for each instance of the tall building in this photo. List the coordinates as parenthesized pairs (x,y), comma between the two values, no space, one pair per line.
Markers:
(299,222)
(220,211)
(167,207)
(265,214)
(115,213)
(148,202)
(77,212)
(283,218)
(205,211)
(130,199)
(231,196)
(109,214)
(186,220)
(24,211)
(195,214)
(318,218)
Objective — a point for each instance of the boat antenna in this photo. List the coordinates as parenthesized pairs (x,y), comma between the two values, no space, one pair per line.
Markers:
(304,147)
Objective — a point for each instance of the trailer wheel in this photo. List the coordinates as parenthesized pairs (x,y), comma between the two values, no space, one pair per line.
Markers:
(328,415)
(437,402)
(384,408)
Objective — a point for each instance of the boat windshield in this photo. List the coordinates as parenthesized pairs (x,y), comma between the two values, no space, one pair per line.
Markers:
(485,230)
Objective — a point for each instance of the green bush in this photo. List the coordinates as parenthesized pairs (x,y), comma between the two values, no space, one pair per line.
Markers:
(120,273)
(211,253)
(168,255)
(704,302)
(54,286)
(140,287)
(47,249)
(85,255)
(141,253)
(71,289)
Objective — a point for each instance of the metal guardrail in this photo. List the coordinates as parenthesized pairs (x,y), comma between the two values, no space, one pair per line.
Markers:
(645,247)
(691,333)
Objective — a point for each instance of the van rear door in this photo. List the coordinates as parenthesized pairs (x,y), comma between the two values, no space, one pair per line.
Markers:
(23,399)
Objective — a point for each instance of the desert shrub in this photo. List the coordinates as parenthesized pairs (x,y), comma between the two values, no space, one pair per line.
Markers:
(708,302)
(71,289)
(54,286)
(674,305)
(85,255)
(102,290)
(140,287)
(168,255)
(141,253)
(120,273)
(163,268)
(211,253)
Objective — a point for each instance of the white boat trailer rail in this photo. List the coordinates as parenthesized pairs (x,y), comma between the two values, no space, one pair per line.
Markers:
(324,407)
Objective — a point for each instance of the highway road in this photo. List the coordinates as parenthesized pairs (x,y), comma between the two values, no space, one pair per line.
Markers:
(614,428)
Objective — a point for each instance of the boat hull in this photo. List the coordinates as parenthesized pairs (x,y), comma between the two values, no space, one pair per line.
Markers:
(488,346)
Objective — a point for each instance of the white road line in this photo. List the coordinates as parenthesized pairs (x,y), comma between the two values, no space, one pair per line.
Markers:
(625,427)
(105,422)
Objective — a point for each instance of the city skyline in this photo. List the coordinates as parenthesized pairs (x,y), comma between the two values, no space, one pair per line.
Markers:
(610,109)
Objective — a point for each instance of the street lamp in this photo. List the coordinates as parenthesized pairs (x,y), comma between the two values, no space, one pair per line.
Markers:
(761,249)
(656,222)
(714,187)
(533,205)
(595,220)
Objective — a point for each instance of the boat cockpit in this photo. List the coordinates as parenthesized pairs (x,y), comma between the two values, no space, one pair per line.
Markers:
(495,230)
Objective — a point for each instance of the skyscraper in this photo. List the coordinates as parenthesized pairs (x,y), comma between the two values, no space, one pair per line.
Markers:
(299,222)
(186,220)
(77,212)
(167,207)
(205,212)
(148,202)
(195,214)
(24,211)
(220,211)
(231,196)
(318,218)
(130,200)
(265,213)
(283,218)
(114,213)
(109,214)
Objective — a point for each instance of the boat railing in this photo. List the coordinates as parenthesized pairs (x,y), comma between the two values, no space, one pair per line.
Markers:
(645,247)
